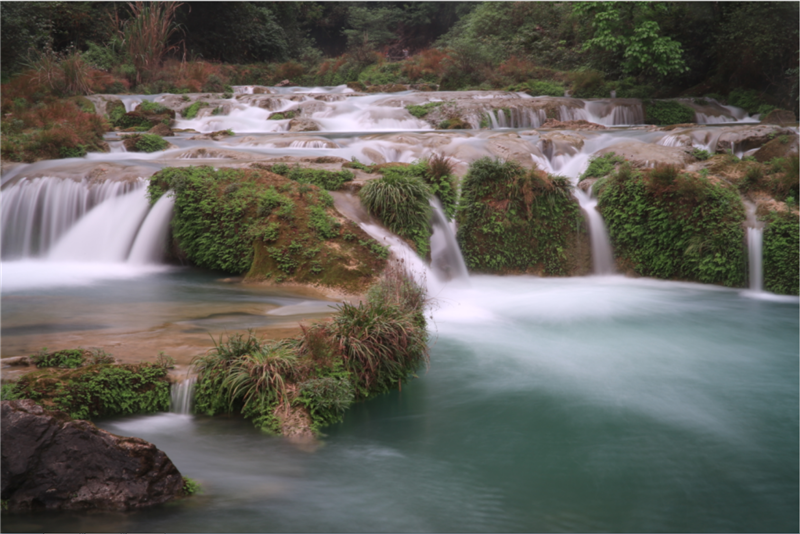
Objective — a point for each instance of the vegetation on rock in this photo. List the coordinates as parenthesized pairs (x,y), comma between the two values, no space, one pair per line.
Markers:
(666,112)
(672,225)
(367,349)
(513,220)
(781,250)
(266,226)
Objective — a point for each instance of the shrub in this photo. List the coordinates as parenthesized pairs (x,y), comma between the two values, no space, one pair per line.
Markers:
(544,88)
(666,112)
(781,252)
(149,143)
(67,359)
(400,201)
(517,220)
(701,154)
(749,100)
(152,107)
(600,166)
(672,226)
(99,390)
(190,112)
(330,180)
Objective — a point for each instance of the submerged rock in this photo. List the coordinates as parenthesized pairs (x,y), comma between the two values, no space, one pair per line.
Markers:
(50,461)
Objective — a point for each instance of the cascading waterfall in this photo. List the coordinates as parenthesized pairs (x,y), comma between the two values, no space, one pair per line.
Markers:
(182,396)
(37,213)
(755,232)
(447,262)
(602,254)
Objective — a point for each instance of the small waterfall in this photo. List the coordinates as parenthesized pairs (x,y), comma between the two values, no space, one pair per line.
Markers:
(182,396)
(37,213)
(755,233)
(447,263)
(150,242)
(602,254)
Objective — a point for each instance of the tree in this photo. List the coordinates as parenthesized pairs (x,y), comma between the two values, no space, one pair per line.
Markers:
(630,31)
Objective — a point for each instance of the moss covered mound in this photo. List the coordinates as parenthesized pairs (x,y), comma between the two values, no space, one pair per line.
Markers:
(98,390)
(145,116)
(666,112)
(673,225)
(266,226)
(781,253)
(514,220)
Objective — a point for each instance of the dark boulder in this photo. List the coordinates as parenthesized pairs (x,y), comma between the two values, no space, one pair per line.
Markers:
(779,116)
(50,461)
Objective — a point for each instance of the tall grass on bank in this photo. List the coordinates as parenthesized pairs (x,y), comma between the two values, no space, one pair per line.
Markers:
(146,35)
(367,349)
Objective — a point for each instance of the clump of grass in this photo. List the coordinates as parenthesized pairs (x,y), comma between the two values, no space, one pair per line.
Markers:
(191,487)
(701,154)
(66,359)
(330,180)
(401,203)
(662,176)
(367,349)
(423,109)
(145,143)
(190,112)
(152,107)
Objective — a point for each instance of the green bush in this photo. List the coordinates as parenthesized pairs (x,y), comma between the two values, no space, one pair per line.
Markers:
(67,359)
(423,109)
(675,226)
(600,166)
(385,74)
(701,154)
(190,112)
(517,220)
(99,390)
(400,201)
(781,252)
(330,180)
(151,107)
(666,112)
(150,143)
(544,88)
(749,100)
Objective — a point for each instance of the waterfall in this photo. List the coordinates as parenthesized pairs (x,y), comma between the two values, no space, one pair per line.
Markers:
(755,233)
(182,396)
(150,242)
(447,262)
(37,212)
(602,254)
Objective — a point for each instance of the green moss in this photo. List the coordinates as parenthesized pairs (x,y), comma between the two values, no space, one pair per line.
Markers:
(150,143)
(151,107)
(515,220)
(190,112)
(265,226)
(781,252)
(600,166)
(99,390)
(330,180)
(67,359)
(675,226)
(423,109)
(665,112)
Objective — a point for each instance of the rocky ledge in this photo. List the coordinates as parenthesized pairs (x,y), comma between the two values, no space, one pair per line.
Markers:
(50,461)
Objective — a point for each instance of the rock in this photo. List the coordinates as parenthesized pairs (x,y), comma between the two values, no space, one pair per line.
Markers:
(744,138)
(357,86)
(572,125)
(780,147)
(649,155)
(779,116)
(303,125)
(560,144)
(161,129)
(284,83)
(52,462)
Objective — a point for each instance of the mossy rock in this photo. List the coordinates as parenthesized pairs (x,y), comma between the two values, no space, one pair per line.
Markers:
(455,124)
(676,226)
(514,220)
(357,86)
(267,227)
(781,253)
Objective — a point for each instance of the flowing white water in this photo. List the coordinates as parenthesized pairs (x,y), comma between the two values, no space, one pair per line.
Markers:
(755,232)
(602,254)
(182,395)
(150,243)
(447,262)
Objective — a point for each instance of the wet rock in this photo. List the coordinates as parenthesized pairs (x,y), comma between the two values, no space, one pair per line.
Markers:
(560,144)
(161,129)
(510,147)
(780,147)
(744,138)
(285,83)
(649,155)
(572,125)
(780,116)
(303,125)
(357,86)
(52,462)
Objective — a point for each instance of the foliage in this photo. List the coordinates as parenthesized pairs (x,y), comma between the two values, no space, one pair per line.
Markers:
(544,88)
(666,112)
(600,166)
(191,486)
(9,392)
(631,31)
(152,107)
(423,109)
(515,220)
(330,180)
(749,100)
(265,226)
(675,226)
(148,142)
(366,350)
(399,200)
(781,253)
(190,112)
(67,359)
(701,154)
(99,390)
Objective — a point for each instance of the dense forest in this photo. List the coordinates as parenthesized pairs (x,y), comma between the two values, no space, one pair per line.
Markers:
(742,52)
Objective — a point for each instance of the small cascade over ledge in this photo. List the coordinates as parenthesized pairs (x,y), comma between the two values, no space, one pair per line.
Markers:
(602,254)
(447,262)
(182,396)
(755,233)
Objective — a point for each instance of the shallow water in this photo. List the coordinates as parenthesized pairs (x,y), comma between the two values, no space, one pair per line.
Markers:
(583,404)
